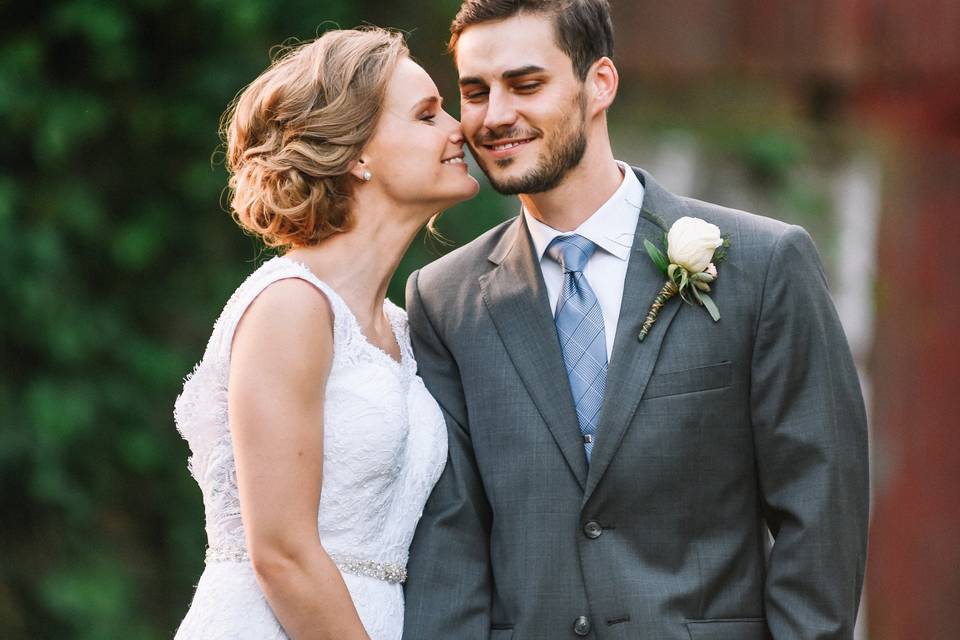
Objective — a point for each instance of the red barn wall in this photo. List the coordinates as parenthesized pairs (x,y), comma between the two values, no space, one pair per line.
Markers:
(896,64)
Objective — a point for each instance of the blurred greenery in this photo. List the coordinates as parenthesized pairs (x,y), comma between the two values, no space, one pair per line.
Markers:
(116,257)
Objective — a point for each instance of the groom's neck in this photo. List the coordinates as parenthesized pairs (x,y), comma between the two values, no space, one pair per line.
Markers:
(581,192)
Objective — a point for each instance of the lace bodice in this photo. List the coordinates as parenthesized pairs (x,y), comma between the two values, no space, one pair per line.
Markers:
(384,435)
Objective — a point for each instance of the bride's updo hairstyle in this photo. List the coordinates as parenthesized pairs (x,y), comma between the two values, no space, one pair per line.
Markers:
(293,134)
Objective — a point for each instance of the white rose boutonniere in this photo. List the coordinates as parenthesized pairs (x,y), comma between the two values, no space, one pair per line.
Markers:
(691,243)
(694,248)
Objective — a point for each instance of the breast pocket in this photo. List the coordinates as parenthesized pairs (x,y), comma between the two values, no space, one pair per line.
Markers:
(703,378)
(728,629)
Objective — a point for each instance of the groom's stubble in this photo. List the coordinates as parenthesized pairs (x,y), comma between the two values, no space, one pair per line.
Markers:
(564,151)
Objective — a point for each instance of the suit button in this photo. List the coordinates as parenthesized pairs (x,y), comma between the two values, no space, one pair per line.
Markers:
(592,530)
(581,626)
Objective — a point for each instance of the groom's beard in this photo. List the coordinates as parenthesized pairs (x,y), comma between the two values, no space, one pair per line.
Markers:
(563,153)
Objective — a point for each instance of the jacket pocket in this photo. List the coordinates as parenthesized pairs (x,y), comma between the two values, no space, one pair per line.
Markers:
(728,629)
(673,383)
(501,632)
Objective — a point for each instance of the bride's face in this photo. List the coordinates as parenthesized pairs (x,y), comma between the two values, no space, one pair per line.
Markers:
(416,153)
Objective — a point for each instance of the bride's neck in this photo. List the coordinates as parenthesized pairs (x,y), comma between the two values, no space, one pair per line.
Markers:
(360,262)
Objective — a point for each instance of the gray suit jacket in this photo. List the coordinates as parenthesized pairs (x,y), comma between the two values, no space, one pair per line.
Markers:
(710,434)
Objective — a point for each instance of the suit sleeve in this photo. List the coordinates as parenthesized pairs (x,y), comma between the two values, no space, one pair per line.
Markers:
(448,589)
(810,433)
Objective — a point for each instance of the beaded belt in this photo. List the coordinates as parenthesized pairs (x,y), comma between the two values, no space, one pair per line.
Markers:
(387,571)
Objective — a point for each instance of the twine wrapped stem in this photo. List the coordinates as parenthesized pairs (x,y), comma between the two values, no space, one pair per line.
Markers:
(669,290)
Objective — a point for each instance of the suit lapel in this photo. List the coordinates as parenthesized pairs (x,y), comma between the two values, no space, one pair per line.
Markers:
(633,361)
(516,298)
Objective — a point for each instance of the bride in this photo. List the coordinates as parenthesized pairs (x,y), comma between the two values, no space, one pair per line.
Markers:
(314,442)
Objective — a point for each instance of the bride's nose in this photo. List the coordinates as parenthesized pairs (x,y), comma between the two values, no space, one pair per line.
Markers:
(456,132)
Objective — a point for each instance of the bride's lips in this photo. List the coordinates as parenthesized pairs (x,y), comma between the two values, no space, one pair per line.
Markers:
(504,148)
(457,160)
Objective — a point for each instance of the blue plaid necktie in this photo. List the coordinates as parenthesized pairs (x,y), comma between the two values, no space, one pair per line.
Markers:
(580,329)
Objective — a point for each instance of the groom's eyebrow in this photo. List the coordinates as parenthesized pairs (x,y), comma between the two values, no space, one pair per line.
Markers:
(522,71)
(509,74)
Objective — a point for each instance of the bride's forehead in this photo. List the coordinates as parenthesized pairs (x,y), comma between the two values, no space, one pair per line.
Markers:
(408,71)
(410,79)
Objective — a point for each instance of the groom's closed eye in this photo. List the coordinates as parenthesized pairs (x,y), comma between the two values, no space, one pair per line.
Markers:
(474,96)
(527,87)
(519,80)
(478,93)
(526,79)
(472,88)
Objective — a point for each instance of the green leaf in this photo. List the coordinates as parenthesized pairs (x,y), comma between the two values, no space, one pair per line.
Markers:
(710,305)
(721,253)
(655,219)
(656,255)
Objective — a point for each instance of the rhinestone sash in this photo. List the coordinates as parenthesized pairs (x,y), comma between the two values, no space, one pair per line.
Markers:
(387,571)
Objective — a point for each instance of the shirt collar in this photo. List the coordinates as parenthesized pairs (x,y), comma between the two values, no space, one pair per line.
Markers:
(611,227)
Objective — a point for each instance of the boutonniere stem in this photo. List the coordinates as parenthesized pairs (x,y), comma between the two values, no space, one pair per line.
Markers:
(694,247)
(668,291)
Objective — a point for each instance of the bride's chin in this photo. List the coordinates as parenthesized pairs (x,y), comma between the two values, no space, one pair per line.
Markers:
(467,195)
(466,192)
(471,189)
(474,187)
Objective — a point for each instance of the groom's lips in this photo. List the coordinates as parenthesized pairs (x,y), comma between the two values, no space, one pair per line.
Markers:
(503,148)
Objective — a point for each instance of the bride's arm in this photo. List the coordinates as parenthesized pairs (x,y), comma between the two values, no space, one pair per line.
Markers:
(280,361)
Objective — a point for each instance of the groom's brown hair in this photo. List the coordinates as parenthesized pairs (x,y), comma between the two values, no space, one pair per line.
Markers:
(582,28)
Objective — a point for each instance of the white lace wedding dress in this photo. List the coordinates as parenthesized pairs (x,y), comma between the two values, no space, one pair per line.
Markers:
(385,445)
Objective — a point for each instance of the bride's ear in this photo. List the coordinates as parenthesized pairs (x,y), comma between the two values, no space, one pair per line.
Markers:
(361,171)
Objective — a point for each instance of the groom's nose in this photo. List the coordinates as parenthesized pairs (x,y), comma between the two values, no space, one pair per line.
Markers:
(501,111)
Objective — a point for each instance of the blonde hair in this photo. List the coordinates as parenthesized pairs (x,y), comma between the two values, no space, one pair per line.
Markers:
(294,133)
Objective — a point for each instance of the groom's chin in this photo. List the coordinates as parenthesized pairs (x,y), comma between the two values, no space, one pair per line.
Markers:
(507,186)
(503,180)
(532,181)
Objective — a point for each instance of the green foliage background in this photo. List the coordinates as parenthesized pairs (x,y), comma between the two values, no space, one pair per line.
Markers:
(115,258)
(117,254)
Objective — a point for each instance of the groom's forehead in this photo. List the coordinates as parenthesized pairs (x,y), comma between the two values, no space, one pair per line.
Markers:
(495,47)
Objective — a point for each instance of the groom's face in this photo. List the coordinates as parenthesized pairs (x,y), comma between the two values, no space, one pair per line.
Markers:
(522,107)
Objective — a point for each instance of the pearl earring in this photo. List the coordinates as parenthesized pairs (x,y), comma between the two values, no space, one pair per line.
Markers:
(367,176)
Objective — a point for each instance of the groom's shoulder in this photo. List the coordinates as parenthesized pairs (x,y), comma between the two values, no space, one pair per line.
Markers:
(467,262)
(753,234)
(745,221)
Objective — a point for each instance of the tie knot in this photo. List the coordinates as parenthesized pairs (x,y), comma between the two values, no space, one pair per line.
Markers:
(571,252)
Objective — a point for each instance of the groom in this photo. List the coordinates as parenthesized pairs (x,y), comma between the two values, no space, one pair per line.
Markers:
(599,486)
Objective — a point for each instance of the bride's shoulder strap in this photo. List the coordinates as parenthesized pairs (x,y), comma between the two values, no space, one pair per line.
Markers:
(271,271)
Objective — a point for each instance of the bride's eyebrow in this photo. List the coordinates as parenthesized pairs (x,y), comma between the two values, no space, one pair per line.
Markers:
(426,102)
